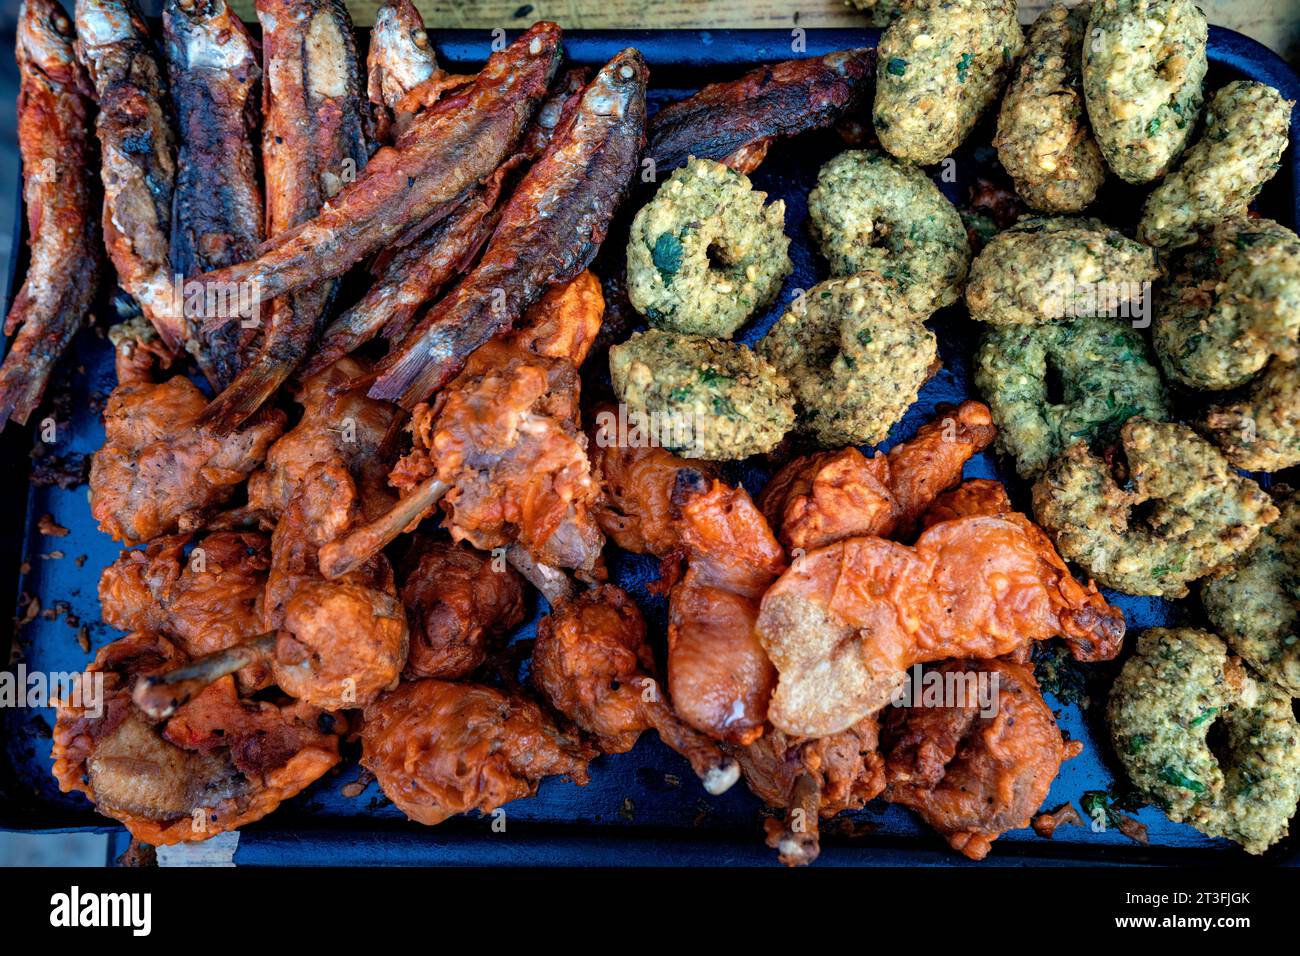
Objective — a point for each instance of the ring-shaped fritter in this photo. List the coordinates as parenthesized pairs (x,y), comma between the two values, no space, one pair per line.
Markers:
(1256,605)
(869,212)
(1202,514)
(1178,684)
(856,354)
(1231,303)
(1106,377)
(706,253)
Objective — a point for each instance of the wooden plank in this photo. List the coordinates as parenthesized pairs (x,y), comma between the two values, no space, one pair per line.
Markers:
(1275,23)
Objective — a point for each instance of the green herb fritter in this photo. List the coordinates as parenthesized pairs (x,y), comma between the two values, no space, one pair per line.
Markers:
(1143,69)
(939,66)
(1199,513)
(1106,377)
(706,253)
(1256,605)
(878,13)
(1043,138)
(856,355)
(1246,130)
(1179,684)
(718,399)
(1261,430)
(1047,268)
(870,212)
(1231,303)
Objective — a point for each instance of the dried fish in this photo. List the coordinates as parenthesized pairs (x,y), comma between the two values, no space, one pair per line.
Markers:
(734,123)
(421,178)
(400,59)
(137,155)
(550,231)
(54,137)
(212,63)
(313,143)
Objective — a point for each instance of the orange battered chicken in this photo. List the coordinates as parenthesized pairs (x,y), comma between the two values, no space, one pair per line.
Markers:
(970,775)
(821,498)
(157,471)
(846,621)
(502,447)
(811,780)
(458,602)
(208,600)
(221,760)
(439,749)
(592,662)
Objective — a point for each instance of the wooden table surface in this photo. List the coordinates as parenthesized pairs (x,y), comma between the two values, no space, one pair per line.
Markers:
(1276,23)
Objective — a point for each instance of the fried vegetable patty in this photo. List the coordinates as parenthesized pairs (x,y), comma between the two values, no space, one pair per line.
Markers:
(1261,431)
(1178,685)
(1246,130)
(1106,377)
(870,212)
(1045,268)
(1143,69)
(1200,513)
(855,353)
(1232,301)
(1256,605)
(1043,138)
(706,253)
(939,65)
(710,398)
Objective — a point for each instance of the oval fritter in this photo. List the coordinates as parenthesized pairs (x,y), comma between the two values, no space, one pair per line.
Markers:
(1178,685)
(1202,514)
(939,65)
(1043,139)
(1143,68)
(1247,127)
(708,398)
(856,355)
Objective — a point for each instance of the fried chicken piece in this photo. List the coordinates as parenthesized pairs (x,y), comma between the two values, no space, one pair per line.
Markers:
(811,780)
(735,122)
(973,775)
(592,662)
(979,496)
(207,600)
(220,762)
(439,749)
(338,424)
(158,471)
(845,623)
(825,497)
(550,231)
(408,187)
(55,140)
(719,675)
(458,603)
(502,444)
(341,642)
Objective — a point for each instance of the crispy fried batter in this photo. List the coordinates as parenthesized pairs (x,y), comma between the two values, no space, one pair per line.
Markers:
(440,749)
(219,763)
(821,498)
(847,620)
(974,776)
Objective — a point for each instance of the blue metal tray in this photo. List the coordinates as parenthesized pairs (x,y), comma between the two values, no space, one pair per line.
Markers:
(644,807)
